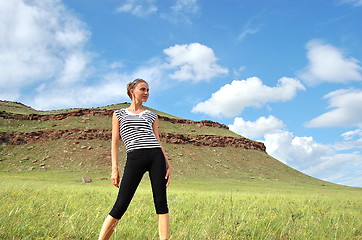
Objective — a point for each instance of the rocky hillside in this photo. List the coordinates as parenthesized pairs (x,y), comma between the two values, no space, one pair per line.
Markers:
(105,134)
(79,139)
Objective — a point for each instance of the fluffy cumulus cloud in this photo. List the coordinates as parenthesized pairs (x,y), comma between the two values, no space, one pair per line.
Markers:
(109,87)
(300,152)
(328,64)
(342,168)
(256,129)
(78,95)
(194,62)
(315,159)
(322,161)
(231,99)
(346,109)
(42,48)
(40,40)
(139,8)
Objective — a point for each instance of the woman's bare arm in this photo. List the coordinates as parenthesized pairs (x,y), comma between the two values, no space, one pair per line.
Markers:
(115,146)
(168,165)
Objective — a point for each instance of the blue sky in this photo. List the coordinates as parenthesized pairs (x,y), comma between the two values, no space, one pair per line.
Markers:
(287,73)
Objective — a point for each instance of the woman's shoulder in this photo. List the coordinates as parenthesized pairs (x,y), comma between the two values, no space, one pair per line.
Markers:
(151,114)
(120,112)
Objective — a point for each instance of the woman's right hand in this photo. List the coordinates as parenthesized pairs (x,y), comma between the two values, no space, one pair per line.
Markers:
(115,178)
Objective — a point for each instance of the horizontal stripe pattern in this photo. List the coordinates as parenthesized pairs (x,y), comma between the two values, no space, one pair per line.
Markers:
(136,129)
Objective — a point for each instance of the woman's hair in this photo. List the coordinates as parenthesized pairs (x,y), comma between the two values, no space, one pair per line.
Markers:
(132,85)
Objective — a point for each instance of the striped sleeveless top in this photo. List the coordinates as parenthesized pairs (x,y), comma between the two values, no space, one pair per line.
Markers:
(136,129)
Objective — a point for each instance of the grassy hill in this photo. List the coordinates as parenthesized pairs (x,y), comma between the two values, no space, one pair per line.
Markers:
(188,161)
(219,193)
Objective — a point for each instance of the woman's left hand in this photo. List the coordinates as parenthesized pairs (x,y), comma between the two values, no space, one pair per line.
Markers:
(168,175)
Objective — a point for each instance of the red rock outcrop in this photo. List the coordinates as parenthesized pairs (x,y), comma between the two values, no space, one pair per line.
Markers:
(185,121)
(105,134)
(95,112)
(213,141)
(54,134)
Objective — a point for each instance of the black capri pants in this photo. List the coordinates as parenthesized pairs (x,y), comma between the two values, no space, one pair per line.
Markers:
(138,162)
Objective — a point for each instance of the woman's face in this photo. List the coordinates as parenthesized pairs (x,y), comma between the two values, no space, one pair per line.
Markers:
(141,92)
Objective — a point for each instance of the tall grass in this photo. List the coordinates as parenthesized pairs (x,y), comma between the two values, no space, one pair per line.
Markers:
(68,209)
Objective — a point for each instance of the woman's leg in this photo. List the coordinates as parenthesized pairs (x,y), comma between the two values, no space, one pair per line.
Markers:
(157,176)
(108,227)
(132,175)
(163,226)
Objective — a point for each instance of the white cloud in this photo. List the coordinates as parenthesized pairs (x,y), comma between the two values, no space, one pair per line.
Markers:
(107,90)
(195,62)
(139,8)
(346,109)
(39,41)
(347,145)
(189,6)
(182,11)
(337,168)
(328,64)
(110,87)
(116,65)
(74,68)
(43,48)
(154,74)
(250,27)
(315,159)
(10,94)
(248,31)
(350,134)
(352,140)
(256,129)
(231,99)
(356,3)
(304,153)
(36,41)
(355,180)
(237,72)
(299,152)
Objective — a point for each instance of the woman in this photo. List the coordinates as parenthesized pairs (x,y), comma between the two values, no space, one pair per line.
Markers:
(138,128)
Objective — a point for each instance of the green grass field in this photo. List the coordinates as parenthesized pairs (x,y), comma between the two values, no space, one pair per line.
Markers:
(45,205)
(216,192)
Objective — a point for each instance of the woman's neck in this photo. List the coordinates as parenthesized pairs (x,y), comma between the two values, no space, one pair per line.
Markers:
(135,107)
